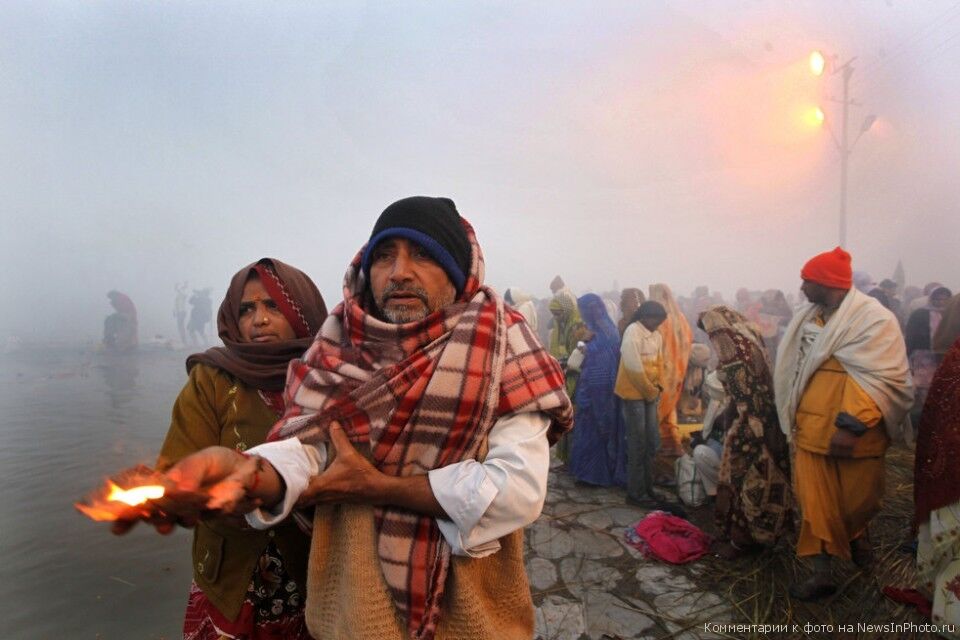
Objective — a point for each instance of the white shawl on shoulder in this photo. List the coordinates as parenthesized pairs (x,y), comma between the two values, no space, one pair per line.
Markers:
(865,338)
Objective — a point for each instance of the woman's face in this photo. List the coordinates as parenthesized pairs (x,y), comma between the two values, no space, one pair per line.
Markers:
(260,318)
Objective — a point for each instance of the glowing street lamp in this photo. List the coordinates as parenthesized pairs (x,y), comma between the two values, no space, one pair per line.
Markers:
(817,63)
(817,117)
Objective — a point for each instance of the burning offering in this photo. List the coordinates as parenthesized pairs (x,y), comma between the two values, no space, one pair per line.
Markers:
(130,497)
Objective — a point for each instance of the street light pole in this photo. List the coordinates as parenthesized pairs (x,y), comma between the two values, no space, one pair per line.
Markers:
(844,151)
(843,144)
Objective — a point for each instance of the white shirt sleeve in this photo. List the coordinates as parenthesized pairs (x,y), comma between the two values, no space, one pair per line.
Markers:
(487,500)
(296,463)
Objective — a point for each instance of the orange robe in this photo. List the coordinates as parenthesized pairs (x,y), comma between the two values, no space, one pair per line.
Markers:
(838,496)
(677,339)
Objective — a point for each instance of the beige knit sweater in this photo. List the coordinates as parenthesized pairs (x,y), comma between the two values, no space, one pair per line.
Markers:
(347,596)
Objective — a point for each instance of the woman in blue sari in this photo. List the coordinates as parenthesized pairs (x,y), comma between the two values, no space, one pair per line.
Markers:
(599,450)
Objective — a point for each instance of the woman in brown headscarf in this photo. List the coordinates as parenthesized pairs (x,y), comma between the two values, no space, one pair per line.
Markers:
(246,583)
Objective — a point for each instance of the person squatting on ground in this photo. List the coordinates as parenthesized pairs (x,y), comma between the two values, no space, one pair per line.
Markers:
(841,371)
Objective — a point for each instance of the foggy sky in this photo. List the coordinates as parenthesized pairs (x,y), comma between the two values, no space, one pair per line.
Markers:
(637,142)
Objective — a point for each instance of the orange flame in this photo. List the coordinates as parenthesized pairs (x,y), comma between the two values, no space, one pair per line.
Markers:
(114,501)
(136,495)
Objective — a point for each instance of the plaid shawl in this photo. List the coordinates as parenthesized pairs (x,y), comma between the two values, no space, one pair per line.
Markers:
(420,396)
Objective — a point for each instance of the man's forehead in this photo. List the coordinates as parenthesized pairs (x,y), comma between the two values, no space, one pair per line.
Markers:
(393,242)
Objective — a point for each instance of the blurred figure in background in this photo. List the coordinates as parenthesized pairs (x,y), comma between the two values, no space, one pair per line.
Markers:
(923,323)
(180,310)
(564,333)
(201,313)
(949,329)
(523,302)
(890,290)
(120,327)
(598,451)
(639,385)
(677,342)
(630,300)
(922,300)
(708,443)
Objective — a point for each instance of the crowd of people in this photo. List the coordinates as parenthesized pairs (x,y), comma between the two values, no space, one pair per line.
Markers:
(391,452)
(796,404)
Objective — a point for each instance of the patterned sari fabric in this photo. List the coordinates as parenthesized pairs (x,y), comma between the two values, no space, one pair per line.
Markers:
(677,342)
(754,497)
(272,608)
(938,441)
(420,396)
(599,442)
(937,492)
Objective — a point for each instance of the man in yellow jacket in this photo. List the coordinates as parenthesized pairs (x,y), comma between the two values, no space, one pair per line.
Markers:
(843,390)
(639,386)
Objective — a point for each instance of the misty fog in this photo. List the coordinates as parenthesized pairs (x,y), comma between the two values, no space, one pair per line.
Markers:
(146,144)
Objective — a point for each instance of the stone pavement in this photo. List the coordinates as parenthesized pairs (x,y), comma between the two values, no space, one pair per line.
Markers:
(587,582)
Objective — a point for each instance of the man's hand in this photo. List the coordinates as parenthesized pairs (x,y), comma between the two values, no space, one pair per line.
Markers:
(352,478)
(842,444)
(349,478)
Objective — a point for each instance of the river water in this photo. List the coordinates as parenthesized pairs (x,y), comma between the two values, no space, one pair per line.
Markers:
(71,417)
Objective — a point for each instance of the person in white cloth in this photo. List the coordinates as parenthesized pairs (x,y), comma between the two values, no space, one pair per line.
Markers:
(841,371)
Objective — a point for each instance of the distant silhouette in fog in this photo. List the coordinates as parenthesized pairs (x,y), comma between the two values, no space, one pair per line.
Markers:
(201,314)
(180,310)
(120,327)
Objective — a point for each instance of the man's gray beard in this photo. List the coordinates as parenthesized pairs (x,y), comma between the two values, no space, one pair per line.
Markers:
(403,315)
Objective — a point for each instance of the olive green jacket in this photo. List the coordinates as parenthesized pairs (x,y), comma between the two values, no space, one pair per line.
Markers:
(214,408)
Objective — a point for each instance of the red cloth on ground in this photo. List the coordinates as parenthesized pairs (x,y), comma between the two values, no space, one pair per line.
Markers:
(831,269)
(670,538)
(909,596)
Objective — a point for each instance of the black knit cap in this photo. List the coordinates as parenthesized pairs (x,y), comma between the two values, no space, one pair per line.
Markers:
(434,224)
(650,309)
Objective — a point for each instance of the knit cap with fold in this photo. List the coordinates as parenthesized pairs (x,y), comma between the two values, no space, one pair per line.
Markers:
(432,223)
(830,269)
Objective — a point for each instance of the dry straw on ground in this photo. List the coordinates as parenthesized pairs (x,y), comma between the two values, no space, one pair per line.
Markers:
(758,587)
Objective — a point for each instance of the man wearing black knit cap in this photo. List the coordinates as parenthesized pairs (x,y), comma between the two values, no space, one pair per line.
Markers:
(418,426)
(427,238)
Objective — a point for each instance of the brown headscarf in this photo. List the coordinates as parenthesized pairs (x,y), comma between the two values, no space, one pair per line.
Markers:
(263,366)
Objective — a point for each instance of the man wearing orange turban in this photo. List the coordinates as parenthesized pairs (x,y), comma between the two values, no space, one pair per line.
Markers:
(841,371)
